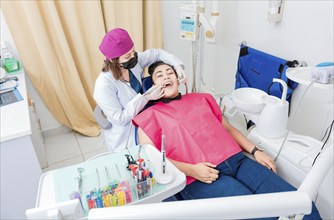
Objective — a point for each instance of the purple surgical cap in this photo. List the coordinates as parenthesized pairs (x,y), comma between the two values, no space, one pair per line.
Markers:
(116,43)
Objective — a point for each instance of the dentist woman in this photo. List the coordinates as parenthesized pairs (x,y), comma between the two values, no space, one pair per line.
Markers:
(118,89)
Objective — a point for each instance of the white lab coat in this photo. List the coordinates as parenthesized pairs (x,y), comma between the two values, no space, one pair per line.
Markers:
(120,103)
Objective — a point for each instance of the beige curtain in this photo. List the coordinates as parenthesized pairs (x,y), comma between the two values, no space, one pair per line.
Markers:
(58,44)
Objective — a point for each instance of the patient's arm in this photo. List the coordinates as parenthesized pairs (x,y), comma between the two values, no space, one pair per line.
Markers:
(203,172)
(248,146)
(143,138)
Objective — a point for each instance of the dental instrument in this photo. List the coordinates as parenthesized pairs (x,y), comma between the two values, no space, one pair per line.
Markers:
(98,177)
(108,175)
(119,173)
(139,152)
(163,151)
(163,176)
(130,160)
(80,170)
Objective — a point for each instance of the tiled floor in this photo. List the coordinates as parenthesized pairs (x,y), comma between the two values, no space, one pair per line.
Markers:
(70,148)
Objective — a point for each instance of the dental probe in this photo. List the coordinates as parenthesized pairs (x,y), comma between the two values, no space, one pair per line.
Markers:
(80,170)
(139,152)
(119,173)
(98,177)
(163,151)
(164,176)
(107,173)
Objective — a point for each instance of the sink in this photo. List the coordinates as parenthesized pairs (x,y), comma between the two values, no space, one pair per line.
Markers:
(248,100)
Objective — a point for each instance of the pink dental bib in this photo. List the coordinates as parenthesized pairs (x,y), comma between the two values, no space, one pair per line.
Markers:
(193,130)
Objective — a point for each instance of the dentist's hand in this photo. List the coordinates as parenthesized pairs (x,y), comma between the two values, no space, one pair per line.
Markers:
(154,93)
(181,74)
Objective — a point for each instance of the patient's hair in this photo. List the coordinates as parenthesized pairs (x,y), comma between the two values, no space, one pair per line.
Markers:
(154,65)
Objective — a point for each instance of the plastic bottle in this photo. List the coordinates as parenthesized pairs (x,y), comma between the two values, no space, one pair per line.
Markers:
(9,63)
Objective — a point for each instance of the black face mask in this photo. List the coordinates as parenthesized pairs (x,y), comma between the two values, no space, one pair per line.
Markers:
(131,63)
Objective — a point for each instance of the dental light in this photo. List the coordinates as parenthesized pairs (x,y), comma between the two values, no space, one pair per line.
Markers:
(275,13)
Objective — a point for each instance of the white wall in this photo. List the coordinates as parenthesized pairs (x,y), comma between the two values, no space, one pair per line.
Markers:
(304,34)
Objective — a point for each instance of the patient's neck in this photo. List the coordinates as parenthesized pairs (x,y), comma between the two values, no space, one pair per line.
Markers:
(176,97)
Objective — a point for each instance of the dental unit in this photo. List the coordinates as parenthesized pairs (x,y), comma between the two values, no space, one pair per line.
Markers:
(303,161)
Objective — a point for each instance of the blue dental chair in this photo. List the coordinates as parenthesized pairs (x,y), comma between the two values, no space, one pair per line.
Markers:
(256,69)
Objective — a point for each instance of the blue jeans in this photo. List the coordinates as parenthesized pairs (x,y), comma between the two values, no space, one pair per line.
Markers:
(240,175)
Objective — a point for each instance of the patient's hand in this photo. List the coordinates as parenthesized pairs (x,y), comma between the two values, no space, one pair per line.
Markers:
(265,160)
(204,172)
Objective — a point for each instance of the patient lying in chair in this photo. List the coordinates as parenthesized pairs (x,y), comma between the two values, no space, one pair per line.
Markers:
(204,146)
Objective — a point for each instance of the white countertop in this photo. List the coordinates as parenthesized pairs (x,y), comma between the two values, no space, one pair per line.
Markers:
(15,120)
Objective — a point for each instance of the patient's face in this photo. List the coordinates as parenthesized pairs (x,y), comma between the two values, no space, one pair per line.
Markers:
(164,75)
